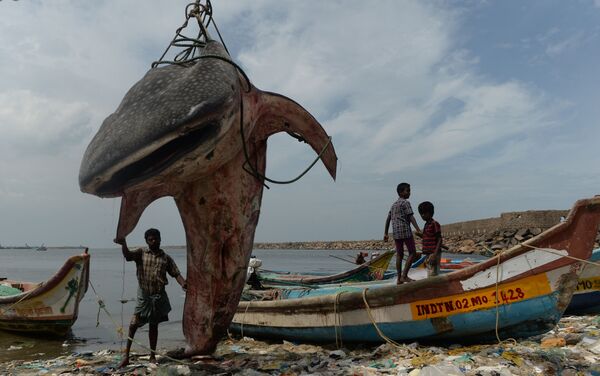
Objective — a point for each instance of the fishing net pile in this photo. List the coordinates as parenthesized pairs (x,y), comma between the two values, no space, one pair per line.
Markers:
(8,290)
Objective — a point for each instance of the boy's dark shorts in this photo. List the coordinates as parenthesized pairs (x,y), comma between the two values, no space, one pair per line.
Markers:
(410,245)
(151,308)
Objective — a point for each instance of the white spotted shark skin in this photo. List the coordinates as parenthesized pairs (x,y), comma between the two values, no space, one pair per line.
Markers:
(177,133)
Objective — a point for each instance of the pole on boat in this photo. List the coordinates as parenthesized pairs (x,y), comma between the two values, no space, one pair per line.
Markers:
(343,259)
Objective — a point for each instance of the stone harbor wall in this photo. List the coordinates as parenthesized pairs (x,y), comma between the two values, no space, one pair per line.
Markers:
(542,219)
(487,243)
(488,235)
(482,236)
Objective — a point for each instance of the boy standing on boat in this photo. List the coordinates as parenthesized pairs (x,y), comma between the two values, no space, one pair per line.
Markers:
(401,216)
(153,305)
(432,239)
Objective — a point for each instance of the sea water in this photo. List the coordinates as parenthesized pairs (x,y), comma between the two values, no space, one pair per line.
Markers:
(115,281)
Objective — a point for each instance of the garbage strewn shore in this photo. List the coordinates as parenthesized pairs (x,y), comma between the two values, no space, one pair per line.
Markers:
(572,348)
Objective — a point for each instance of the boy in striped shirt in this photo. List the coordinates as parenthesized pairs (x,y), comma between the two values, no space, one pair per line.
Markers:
(432,239)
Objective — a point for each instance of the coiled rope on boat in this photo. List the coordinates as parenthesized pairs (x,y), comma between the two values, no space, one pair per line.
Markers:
(337,320)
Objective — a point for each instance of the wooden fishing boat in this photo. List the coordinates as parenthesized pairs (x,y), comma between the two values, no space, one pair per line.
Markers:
(586,298)
(372,270)
(519,293)
(49,307)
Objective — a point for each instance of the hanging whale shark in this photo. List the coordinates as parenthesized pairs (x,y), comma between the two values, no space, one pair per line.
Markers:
(187,131)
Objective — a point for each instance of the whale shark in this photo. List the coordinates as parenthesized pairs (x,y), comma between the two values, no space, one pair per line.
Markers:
(198,132)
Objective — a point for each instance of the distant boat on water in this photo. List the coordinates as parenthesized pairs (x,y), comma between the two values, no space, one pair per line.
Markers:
(42,248)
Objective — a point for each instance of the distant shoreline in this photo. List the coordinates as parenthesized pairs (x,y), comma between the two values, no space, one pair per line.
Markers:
(485,243)
(328,245)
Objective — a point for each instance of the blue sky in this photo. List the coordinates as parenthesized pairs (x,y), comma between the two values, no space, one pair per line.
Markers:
(484,107)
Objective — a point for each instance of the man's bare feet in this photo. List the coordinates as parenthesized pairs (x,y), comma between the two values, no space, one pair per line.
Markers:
(405,279)
(153,359)
(124,362)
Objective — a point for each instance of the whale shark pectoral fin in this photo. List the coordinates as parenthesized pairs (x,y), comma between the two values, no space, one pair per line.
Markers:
(281,114)
(133,205)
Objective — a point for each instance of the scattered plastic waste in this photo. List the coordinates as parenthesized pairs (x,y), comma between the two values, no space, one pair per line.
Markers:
(513,357)
(441,370)
(571,349)
(237,349)
(337,354)
(553,342)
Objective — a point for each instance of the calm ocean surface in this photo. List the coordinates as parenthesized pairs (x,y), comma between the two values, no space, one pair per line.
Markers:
(113,279)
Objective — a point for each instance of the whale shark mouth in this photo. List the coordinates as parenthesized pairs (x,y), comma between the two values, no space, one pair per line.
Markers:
(159,160)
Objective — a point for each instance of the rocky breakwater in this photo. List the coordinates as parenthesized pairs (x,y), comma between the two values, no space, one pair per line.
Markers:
(488,243)
(329,245)
(481,244)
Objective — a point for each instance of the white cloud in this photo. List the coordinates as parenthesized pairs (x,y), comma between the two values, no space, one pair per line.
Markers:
(323,56)
(31,124)
(77,50)
(555,48)
(379,79)
(490,113)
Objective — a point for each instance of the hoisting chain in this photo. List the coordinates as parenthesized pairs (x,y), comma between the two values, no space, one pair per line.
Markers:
(192,47)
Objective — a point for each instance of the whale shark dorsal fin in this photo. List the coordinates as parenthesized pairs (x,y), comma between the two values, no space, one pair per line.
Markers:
(279,113)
